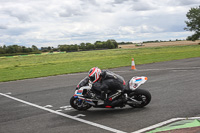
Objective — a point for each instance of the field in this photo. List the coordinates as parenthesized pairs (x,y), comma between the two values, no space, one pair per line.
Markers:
(24,67)
(160,44)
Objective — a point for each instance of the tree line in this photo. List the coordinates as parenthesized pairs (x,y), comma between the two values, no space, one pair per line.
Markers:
(20,50)
(109,44)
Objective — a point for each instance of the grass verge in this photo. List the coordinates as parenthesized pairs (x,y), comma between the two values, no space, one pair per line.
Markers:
(24,67)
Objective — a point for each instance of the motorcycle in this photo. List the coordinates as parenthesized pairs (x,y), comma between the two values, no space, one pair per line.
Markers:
(84,98)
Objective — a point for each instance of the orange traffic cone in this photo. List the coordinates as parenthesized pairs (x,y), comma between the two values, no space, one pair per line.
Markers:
(133,64)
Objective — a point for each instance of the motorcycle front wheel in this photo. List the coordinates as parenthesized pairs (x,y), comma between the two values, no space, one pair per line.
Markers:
(79,104)
(142,96)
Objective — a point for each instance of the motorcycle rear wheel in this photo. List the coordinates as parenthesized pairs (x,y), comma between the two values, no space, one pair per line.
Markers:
(79,104)
(142,96)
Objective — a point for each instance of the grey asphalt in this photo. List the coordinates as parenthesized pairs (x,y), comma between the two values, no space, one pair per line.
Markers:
(174,85)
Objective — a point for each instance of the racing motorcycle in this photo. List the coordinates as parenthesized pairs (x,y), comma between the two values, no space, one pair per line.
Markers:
(84,98)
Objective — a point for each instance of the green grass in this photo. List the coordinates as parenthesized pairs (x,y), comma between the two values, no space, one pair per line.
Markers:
(24,67)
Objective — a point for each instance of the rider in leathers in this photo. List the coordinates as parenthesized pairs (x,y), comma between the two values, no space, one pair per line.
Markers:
(103,82)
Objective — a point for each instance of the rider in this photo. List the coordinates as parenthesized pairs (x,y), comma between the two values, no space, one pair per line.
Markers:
(104,81)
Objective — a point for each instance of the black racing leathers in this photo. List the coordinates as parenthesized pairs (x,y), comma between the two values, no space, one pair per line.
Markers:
(108,81)
(83,82)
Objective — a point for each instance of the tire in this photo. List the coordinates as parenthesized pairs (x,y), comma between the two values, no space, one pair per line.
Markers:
(74,102)
(140,95)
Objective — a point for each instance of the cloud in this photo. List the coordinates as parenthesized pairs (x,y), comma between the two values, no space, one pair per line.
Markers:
(188,2)
(53,22)
(121,1)
(15,11)
(3,27)
(143,6)
(70,12)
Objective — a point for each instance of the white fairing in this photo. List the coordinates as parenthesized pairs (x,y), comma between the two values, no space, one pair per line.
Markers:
(80,91)
(135,82)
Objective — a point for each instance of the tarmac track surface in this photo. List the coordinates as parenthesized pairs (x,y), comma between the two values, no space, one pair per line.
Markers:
(41,105)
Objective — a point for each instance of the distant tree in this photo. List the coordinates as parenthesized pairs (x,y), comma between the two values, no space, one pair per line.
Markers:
(98,45)
(34,48)
(193,23)
(73,48)
(24,49)
(68,48)
(10,49)
(115,43)
(2,50)
(82,46)
(61,48)
(89,46)
(44,49)
(55,49)
(49,48)
(109,44)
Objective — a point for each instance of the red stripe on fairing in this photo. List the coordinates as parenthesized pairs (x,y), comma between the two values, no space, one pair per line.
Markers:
(108,106)
(124,83)
(92,72)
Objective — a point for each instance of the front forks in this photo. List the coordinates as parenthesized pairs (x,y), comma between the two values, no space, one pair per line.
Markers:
(80,103)
(131,100)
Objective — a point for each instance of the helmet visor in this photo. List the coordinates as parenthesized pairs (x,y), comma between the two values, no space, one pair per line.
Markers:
(92,78)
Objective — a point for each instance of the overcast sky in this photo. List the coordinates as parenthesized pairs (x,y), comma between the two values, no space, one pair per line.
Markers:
(53,22)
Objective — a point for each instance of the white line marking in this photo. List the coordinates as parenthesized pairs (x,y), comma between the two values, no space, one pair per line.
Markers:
(163,123)
(48,106)
(68,108)
(63,107)
(79,115)
(9,93)
(65,115)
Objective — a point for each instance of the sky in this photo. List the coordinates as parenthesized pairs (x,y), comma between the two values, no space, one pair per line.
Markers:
(55,22)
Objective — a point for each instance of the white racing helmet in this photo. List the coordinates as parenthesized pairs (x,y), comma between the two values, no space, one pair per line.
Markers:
(94,74)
